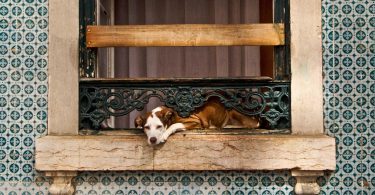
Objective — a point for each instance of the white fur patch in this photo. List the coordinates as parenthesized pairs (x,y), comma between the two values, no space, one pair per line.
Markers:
(152,123)
(177,127)
(172,129)
(157,109)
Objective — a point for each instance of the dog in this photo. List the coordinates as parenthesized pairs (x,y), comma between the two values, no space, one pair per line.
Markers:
(162,121)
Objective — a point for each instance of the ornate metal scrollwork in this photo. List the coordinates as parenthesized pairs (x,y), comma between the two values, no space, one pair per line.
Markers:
(268,100)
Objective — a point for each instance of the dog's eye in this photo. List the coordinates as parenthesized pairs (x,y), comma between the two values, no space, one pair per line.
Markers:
(158,127)
(147,127)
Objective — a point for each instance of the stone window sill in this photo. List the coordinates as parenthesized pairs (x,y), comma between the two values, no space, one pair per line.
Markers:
(307,156)
(185,151)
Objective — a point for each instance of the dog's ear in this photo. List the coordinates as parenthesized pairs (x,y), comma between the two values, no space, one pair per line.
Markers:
(139,122)
(169,116)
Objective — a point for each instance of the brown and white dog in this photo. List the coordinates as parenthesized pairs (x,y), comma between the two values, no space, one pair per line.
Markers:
(162,122)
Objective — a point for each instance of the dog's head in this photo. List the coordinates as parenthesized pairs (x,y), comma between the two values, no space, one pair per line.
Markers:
(155,123)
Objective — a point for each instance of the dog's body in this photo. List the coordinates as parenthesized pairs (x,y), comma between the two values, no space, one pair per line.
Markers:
(162,122)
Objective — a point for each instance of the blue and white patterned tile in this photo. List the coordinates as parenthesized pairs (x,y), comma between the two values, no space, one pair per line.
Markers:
(355,37)
(20,47)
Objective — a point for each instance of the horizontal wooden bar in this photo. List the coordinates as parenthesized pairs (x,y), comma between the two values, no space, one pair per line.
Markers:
(185,151)
(185,35)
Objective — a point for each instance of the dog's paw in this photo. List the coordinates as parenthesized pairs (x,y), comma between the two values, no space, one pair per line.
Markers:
(164,138)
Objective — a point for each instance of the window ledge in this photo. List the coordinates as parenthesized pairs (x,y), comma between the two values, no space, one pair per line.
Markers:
(185,151)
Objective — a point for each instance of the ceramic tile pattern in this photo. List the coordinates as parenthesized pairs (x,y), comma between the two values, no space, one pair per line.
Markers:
(23,92)
(349,94)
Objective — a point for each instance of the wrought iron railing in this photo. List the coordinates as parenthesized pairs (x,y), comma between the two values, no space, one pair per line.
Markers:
(103,98)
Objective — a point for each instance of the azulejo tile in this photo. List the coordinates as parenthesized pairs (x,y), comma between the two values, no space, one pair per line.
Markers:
(352,127)
(23,92)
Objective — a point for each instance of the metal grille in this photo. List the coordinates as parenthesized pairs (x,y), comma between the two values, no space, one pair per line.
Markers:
(101,99)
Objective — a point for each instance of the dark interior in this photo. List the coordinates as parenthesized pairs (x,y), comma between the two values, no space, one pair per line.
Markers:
(201,62)
(196,62)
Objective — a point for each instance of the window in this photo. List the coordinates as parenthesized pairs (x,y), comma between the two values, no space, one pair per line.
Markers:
(248,69)
(63,151)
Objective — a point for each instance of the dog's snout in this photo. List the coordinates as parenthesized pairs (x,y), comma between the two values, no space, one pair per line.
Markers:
(153,140)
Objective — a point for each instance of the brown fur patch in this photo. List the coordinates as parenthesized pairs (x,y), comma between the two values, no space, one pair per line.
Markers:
(140,121)
(166,115)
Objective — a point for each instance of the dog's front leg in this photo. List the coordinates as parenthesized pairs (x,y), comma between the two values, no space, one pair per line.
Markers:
(172,129)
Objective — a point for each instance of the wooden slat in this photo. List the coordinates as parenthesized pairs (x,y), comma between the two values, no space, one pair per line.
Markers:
(185,35)
(185,152)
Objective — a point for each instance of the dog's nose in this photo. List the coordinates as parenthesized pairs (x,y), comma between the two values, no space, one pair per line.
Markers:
(153,140)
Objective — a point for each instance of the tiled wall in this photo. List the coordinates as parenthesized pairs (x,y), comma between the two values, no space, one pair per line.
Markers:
(349,93)
(23,92)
